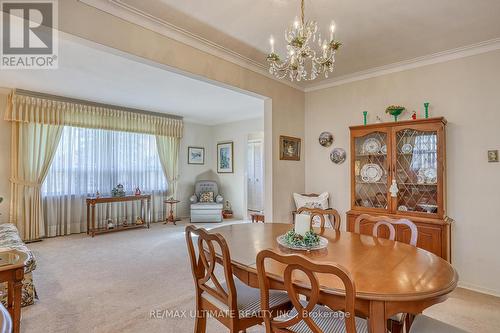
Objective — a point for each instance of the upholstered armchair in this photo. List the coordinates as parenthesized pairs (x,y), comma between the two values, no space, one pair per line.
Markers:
(206,202)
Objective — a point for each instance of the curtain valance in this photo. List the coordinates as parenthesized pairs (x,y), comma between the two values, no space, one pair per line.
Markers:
(35,109)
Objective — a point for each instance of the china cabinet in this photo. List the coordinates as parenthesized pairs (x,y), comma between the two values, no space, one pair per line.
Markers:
(398,170)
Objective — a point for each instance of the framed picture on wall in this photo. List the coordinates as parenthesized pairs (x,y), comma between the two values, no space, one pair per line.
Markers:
(225,161)
(289,148)
(196,155)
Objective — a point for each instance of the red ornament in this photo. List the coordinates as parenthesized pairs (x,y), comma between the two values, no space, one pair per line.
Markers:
(414,116)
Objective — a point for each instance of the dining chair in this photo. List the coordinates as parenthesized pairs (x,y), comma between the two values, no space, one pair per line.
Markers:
(235,305)
(396,322)
(389,223)
(309,315)
(332,213)
(424,324)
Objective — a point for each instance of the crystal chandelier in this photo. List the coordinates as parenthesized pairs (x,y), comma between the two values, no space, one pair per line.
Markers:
(306,51)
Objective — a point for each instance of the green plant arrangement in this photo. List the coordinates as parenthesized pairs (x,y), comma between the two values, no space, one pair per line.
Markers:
(310,239)
(395,111)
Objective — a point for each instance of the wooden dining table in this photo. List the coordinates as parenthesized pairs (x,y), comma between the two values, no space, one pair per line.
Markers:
(390,277)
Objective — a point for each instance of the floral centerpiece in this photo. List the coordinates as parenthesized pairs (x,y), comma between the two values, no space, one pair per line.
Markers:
(309,240)
(395,111)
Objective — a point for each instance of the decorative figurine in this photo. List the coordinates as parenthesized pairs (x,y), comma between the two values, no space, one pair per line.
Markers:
(227,213)
(426,106)
(394,189)
(111,225)
(125,223)
(379,120)
(139,221)
(118,191)
(137,191)
(97,195)
(414,115)
(395,111)
(365,113)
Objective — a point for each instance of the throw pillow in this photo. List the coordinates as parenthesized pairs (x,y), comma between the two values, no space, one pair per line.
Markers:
(207,197)
(320,202)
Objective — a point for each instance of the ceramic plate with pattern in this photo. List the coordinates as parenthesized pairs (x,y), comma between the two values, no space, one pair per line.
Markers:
(406,148)
(371,173)
(338,155)
(325,139)
(371,146)
(430,175)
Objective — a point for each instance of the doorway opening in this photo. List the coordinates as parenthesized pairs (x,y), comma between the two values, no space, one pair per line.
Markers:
(255,171)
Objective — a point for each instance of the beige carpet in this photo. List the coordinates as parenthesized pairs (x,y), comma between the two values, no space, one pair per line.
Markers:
(113,283)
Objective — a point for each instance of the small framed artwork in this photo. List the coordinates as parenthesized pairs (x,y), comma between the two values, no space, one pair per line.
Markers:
(196,155)
(289,148)
(225,162)
(492,156)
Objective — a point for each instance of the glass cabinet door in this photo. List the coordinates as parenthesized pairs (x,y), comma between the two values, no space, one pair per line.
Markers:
(370,170)
(416,171)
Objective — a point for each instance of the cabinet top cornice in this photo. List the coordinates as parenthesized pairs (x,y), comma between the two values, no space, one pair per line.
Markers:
(401,123)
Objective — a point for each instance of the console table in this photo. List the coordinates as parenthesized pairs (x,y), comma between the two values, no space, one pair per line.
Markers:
(145,200)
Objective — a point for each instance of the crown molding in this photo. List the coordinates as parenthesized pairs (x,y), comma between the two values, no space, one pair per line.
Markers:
(435,58)
(134,15)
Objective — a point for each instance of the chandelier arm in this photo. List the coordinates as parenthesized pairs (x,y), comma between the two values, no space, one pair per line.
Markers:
(302,10)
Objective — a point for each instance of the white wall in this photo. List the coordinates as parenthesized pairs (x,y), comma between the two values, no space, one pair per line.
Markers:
(467,93)
(195,135)
(234,186)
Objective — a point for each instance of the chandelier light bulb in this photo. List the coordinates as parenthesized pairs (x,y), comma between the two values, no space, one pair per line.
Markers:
(332,30)
(271,41)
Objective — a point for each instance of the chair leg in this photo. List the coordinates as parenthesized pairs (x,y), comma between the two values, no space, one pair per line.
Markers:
(200,325)
(396,327)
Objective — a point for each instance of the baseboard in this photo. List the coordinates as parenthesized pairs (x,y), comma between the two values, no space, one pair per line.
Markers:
(478,289)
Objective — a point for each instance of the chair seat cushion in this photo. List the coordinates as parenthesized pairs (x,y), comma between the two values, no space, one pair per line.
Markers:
(328,320)
(248,299)
(424,324)
(207,205)
(398,317)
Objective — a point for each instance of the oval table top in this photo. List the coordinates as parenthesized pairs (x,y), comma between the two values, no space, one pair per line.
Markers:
(381,269)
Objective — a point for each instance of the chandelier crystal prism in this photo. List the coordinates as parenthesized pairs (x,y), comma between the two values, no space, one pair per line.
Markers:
(308,55)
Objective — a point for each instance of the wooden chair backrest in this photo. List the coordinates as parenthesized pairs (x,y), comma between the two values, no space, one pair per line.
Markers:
(203,264)
(334,216)
(296,262)
(389,223)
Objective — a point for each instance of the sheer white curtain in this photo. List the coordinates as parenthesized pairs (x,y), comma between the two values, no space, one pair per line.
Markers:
(91,160)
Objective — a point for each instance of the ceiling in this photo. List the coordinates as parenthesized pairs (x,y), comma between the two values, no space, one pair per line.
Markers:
(374,33)
(87,71)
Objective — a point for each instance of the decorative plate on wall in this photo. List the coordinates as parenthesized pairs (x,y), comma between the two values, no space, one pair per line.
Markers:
(338,155)
(325,139)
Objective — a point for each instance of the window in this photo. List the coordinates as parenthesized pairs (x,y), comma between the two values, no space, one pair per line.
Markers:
(91,160)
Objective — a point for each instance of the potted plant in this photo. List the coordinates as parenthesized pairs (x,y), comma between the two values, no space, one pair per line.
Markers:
(395,111)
